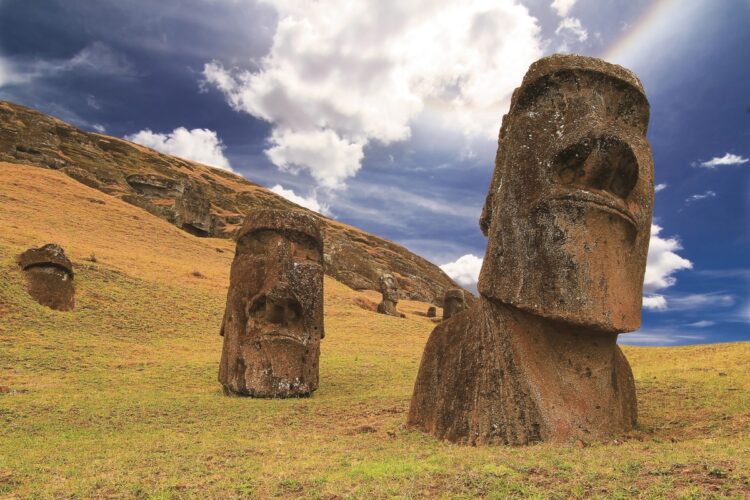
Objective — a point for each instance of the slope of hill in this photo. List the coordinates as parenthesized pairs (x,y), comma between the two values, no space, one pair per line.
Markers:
(203,201)
(119,398)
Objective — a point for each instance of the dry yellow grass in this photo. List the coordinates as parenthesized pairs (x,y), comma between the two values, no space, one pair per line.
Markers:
(120,399)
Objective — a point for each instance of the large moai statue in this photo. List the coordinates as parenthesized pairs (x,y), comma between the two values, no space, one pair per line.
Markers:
(389,289)
(567,218)
(273,321)
(454,302)
(49,274)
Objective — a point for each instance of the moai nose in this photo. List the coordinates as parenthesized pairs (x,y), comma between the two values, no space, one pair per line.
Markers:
(604,164)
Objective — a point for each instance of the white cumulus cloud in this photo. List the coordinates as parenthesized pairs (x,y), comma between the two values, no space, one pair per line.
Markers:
(660,187)
(655,302)
(342,74)
(571,27)
(662,262)
(727,159)
(562,7)
(199,144)
(310,202)
(465,270)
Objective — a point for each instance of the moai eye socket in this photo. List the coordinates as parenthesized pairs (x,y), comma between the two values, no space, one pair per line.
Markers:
(305,248)
(603,164)
(293,311)
(257,308)
(256,243)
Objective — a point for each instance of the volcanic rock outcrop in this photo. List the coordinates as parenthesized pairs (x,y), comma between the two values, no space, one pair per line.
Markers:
(49,275)
(389,289)
(273,321)
(454,302)
(567,217)
(201,200)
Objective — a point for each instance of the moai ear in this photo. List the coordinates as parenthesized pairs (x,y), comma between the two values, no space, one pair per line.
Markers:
(485,220)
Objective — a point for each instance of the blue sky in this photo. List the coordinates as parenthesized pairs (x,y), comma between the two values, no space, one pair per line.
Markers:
(385,115)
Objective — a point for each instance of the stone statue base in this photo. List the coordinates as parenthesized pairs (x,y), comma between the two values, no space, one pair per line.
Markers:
(494,374)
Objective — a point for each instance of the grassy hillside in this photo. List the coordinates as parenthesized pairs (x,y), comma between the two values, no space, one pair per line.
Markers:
(201,199)
(119,398)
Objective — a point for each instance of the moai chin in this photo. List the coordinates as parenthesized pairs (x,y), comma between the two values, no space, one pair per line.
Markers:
(273,321)
(389,289)
(454,302)
(567,216)
(49,275)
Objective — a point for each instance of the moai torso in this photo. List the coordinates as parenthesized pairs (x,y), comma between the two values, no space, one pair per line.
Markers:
(454,302)
(567,218)
(49,275)
(273,322)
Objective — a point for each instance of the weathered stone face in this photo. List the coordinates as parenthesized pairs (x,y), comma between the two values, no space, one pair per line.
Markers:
(568,217)
(569,209)
(389,289)
(273,322)
(49,274)
(454,302)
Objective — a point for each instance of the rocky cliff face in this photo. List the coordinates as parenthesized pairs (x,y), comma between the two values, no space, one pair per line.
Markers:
(201,200)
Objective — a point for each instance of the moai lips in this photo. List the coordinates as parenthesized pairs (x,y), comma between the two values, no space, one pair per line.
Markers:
(273,322)
(389,289)
(567,217)
(49,275)
(454,302)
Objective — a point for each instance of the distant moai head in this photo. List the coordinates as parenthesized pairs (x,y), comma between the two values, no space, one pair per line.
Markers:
(454,302)
(273,321)
(431,312)
(389,287)
(568,213)
(49,274)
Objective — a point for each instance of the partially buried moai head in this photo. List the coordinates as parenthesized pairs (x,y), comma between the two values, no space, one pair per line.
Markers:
(569,209)
(454,302)
(49,274)
(273,322)
(389,287)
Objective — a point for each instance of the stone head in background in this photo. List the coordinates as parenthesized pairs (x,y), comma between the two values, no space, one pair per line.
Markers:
(431,312)
(49,274)
(389,289)
(454,302)
(567,216)
(273,321)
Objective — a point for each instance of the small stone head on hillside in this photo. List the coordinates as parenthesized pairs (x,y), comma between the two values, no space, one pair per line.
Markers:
(389,289)
(49,274)
(273,322)
(568,213)
(454,302)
